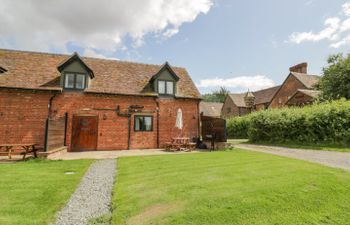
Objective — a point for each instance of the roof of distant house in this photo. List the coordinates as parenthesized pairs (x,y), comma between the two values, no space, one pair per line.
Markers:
(212,109)
(261,96)
(308,80)
(34,70)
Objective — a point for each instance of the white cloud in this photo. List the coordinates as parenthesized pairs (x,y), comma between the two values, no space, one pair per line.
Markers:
(242,82)
(346,8)
(332,26)
(101,25)
(336,30)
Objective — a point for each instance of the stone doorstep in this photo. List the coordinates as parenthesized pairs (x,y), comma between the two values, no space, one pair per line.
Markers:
(53,153)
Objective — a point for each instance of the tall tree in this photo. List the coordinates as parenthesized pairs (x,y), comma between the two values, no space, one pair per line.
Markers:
(216,96)
(335,82)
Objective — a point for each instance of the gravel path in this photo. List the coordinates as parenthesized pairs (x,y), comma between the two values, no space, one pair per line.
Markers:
(328,158)
(93,196)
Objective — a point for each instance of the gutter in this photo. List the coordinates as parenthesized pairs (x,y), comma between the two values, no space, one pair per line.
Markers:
(158,115)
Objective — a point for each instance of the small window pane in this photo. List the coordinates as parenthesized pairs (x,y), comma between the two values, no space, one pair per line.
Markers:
(80,82)
(161,87)
(69,81)
(148,123)
(138,122)
(170,87)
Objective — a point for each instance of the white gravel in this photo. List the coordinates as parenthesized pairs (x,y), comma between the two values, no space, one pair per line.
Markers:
(328,158)
(93,196)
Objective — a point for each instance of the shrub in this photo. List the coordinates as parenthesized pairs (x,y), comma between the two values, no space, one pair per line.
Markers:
(237,127)
(319,123)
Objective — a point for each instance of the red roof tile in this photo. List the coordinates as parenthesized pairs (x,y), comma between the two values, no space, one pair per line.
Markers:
(34,70)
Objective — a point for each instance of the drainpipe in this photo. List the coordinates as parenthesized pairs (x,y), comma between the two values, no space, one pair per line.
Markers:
(157,102)
(129,128)
(50,105)
(128,115)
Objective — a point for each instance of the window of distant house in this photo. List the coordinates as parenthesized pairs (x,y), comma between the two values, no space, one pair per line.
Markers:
(74,81)
(228,110)
(166,87)
(143,123)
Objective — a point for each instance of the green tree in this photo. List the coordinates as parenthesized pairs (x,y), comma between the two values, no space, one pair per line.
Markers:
(335,82)
(216,96)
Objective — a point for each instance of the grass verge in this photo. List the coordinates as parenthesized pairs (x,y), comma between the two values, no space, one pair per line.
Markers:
(32,192)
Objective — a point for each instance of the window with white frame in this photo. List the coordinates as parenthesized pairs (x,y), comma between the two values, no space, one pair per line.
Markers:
(166,87)
(74,81)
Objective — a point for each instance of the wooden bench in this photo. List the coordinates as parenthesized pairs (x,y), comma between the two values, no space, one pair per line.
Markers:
(180,144)
(24,149)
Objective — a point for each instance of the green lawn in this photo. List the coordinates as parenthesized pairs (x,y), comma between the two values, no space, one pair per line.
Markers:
(233,187)
(32,192)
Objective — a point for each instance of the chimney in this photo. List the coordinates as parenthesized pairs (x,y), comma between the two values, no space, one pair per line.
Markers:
(249,99)
(300,68)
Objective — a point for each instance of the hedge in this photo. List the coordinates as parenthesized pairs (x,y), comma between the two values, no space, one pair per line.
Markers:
(319,123)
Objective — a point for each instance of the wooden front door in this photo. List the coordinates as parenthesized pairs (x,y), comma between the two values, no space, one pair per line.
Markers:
(84,132)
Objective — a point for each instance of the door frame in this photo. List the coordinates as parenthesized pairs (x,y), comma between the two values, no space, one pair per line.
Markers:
(73,149)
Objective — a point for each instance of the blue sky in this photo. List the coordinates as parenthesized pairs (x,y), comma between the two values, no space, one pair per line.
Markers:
(238,43)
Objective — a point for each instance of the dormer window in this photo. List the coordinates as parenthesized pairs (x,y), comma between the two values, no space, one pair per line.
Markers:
(74,81)
(165,87)
(75,74)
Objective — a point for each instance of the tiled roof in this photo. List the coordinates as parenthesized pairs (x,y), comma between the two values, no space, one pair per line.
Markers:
(212,109)
(34,70)
(261,96)
(311,93)
(308,80)
(238,99)
(265,95)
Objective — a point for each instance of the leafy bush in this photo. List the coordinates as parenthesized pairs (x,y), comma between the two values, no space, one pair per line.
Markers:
(319,123)
(237,127)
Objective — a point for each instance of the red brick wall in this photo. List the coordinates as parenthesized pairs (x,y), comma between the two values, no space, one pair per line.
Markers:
(230,109)
(23,116)
(167,120)
(290,86)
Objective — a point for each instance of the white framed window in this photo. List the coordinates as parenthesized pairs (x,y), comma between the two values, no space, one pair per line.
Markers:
(170,87)
(74,81)
(80,81)
(166,87)
(161,87)
(69,80)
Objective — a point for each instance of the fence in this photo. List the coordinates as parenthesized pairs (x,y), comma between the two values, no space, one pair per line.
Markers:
(213,127)
(55,133)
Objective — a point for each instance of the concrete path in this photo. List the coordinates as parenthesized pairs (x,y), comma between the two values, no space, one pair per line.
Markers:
(328,158)
(93,196)
(114,154)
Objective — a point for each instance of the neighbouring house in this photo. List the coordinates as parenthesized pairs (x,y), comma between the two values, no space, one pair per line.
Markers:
(244,103)
(210,109)
(106,104)
(297,89)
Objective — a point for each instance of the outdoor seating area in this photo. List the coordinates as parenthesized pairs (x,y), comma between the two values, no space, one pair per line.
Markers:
(180,144)
(19,149)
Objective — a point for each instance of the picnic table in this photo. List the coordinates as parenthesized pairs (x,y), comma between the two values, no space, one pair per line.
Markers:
(179,144)
(24,149)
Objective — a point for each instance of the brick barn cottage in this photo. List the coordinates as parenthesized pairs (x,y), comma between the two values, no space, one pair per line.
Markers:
(107,104)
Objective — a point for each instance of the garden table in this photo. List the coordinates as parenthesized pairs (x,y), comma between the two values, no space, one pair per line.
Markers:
(25,149)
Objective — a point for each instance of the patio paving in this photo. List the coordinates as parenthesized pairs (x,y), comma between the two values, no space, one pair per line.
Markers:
(115,154)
